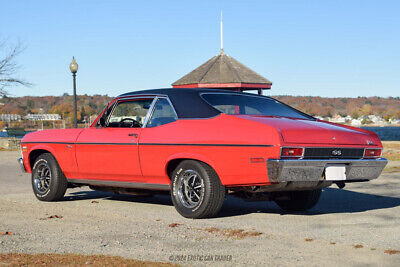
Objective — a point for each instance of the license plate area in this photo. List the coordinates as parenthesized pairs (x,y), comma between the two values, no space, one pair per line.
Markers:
(335,172)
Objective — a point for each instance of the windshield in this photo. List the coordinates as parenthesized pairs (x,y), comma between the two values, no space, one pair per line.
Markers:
(251,105)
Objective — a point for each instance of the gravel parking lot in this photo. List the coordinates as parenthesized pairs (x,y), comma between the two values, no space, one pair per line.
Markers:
(356,225)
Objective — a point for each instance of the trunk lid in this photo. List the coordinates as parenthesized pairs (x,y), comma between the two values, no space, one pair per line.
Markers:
(300,131)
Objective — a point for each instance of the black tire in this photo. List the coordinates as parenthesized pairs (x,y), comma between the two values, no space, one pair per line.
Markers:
(212,192)
(54,185)
(300,200)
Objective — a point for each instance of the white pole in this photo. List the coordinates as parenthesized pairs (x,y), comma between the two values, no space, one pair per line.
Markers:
(222,36)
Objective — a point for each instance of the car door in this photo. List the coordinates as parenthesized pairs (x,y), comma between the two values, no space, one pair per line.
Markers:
(111,152)
(155,144)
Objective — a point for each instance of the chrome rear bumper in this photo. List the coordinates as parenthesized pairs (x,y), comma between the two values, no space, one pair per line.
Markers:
(299,170)
(21,164)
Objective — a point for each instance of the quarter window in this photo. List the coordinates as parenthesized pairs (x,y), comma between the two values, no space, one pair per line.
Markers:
(163,113)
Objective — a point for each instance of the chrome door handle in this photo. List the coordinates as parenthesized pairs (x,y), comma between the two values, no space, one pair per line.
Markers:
(69,146)
(133,134)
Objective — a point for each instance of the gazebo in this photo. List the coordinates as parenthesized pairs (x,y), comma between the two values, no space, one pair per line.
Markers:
(224,72)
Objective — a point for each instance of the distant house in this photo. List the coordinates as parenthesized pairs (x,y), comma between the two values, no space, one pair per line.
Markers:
(10,117)
(320,118)
(338,119)
(42,117)
(356,122)
(377,120)
(394,121)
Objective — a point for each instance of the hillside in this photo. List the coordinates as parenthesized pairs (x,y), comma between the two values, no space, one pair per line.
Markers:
(355,107)
(63,105)
(317,106)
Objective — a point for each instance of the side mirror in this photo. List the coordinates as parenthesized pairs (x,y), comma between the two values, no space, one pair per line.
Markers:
(102,122)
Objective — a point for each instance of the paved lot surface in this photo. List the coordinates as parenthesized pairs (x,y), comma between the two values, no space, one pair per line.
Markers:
(353,226)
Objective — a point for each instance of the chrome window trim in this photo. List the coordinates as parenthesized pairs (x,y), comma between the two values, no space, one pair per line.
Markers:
(150,113)
(142,95)
(153,106)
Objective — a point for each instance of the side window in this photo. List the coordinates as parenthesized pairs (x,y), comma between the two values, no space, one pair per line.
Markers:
(163,113)
(130,113)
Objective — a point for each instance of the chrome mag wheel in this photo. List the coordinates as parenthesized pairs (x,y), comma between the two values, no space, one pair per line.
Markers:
(190,189)
(43,177)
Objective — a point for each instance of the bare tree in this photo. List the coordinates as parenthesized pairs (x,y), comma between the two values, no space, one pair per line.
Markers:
(9,68)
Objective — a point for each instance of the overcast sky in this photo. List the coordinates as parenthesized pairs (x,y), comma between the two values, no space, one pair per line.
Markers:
(326,48)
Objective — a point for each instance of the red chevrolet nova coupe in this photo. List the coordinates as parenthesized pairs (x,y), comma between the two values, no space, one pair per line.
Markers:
(202,144)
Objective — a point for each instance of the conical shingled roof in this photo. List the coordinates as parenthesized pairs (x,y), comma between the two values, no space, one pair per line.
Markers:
(223,71)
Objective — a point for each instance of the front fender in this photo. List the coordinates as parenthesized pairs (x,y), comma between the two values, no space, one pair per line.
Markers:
(33,148)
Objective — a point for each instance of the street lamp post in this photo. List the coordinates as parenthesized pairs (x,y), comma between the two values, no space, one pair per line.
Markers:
(73,66)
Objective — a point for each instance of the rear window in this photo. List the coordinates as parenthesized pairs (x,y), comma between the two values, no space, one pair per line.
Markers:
(252,105)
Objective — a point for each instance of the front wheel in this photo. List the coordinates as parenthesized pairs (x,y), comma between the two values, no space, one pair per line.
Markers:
(300,200)
(48,181)
(196,190)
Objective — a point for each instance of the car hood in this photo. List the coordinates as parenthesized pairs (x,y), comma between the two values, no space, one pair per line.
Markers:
(303,131)
(54,135)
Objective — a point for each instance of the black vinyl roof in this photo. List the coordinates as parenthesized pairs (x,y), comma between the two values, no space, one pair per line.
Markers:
(187,101)
(189,104)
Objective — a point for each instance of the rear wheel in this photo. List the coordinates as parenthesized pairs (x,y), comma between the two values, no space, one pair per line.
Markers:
(196,190)
(48,181)
(300,200)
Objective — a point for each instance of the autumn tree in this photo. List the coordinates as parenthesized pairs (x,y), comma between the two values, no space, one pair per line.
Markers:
(355,113)
(366,109)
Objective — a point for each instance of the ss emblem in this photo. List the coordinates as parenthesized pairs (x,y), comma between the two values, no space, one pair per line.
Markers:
(336,152)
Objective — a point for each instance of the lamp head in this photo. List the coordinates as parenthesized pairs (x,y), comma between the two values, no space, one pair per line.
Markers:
(73,66)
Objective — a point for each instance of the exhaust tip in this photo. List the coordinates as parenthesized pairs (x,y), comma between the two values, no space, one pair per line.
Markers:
(340,184)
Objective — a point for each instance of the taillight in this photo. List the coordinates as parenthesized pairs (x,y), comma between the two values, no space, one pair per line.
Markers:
(372,152)
(292,152)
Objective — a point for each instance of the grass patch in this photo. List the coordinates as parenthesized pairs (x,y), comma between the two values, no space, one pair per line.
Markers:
(8,149)
(391,144)
(17,259)
(392,169)
(391,150)
(391,156)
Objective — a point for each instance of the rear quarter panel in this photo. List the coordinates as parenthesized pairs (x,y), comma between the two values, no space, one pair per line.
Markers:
(226,143)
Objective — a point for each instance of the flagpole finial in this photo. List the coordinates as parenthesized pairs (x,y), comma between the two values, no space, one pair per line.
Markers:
(222,36)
